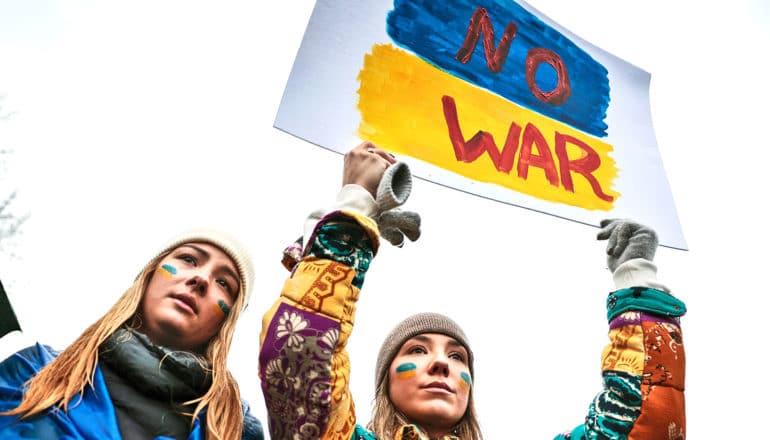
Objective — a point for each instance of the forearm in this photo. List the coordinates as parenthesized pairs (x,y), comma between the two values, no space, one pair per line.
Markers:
(304,365)
(643,365)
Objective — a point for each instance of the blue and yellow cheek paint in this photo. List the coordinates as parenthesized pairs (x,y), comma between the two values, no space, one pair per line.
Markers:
(465,383)
(406,371)
(167,270)
(222,309)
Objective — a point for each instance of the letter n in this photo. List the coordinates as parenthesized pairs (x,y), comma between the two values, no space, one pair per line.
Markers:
(480,22)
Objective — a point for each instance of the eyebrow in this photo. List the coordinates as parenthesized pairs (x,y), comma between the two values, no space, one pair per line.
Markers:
(452,341)
(207,255)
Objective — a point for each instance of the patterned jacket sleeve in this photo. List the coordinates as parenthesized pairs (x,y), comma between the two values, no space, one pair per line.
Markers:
(303,364)
(643,366)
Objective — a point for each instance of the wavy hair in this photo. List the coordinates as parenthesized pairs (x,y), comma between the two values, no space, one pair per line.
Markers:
(68,375)
(387,419)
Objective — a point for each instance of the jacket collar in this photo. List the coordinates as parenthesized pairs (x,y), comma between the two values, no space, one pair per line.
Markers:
(412,432)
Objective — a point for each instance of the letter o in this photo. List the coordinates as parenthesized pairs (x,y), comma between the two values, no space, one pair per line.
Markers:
(562,91)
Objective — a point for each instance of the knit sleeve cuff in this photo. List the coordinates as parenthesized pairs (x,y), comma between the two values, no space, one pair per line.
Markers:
(395,187)
(355,198)
(638,272)
(351,198)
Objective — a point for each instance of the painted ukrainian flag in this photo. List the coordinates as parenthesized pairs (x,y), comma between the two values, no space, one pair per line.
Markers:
(494,94)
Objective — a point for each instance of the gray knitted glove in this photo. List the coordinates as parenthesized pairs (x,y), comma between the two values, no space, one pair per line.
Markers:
(395,224)
(627,240)
(393,191)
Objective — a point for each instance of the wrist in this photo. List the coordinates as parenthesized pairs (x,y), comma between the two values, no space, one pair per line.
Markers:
(637,272)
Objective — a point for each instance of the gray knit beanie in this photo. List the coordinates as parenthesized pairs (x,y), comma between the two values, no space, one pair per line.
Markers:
(411,327)
(229,245)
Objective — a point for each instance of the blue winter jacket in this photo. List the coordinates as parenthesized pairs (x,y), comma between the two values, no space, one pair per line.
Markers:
(90,416)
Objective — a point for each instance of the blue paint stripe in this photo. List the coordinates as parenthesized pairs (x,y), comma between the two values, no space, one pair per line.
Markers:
(435,31)
(406,367)
(170,269)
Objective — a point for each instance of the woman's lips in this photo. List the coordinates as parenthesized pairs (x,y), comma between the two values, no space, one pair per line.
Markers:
(186,302)
(438,386)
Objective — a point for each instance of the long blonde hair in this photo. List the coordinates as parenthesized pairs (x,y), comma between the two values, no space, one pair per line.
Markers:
(68,375)
(387,419)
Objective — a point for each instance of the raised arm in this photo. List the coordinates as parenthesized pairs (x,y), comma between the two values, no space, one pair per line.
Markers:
(304,366)
(643,366)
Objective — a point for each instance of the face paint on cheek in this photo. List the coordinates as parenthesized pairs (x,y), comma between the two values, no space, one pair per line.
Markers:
(406,371)
(465,383)
(222,309)
(167,270)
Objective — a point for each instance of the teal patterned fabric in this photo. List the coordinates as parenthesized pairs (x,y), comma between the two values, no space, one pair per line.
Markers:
(343,240)
(362,434)
(612,413)
(643,299)
(615,409)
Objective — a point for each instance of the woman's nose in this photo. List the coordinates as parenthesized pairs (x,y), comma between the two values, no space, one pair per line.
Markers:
(198,284)
(439,366)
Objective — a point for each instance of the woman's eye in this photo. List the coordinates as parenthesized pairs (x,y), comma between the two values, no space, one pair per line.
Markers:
(226,285)
(417,350)
(457,356)
(187,259)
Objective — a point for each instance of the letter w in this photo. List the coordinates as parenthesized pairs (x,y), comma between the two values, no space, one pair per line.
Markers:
(481,142)
(480,22)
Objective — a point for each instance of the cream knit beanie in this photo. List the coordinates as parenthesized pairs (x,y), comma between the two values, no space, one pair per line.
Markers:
(411,327)
(232,247)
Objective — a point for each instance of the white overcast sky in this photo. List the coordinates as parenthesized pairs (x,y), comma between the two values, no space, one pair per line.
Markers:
(134,120)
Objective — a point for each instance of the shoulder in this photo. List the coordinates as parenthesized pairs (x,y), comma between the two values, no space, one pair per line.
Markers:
(37,353)
(35,356)
(22,365)
(252,428)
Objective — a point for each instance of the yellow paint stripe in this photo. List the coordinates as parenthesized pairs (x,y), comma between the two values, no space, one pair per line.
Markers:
(406,374)
(218,311)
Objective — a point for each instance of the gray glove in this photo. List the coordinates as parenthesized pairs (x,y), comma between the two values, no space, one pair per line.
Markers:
(627,240)
(393,191)
(395,224)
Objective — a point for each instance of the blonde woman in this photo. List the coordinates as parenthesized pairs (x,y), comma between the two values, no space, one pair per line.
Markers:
(154,366)
(425,367)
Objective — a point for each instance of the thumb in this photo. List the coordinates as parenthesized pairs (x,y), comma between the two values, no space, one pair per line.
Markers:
(393,235)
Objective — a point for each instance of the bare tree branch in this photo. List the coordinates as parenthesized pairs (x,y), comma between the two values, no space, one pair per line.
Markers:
(10,222)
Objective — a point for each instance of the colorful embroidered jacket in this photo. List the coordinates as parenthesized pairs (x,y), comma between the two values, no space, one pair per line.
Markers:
(304,367)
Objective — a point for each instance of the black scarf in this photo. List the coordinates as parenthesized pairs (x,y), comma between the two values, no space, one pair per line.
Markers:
(156,371)
(148,383)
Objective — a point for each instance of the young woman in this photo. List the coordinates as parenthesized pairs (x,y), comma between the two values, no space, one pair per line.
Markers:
(154,366)
(422,384)
(425,368)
